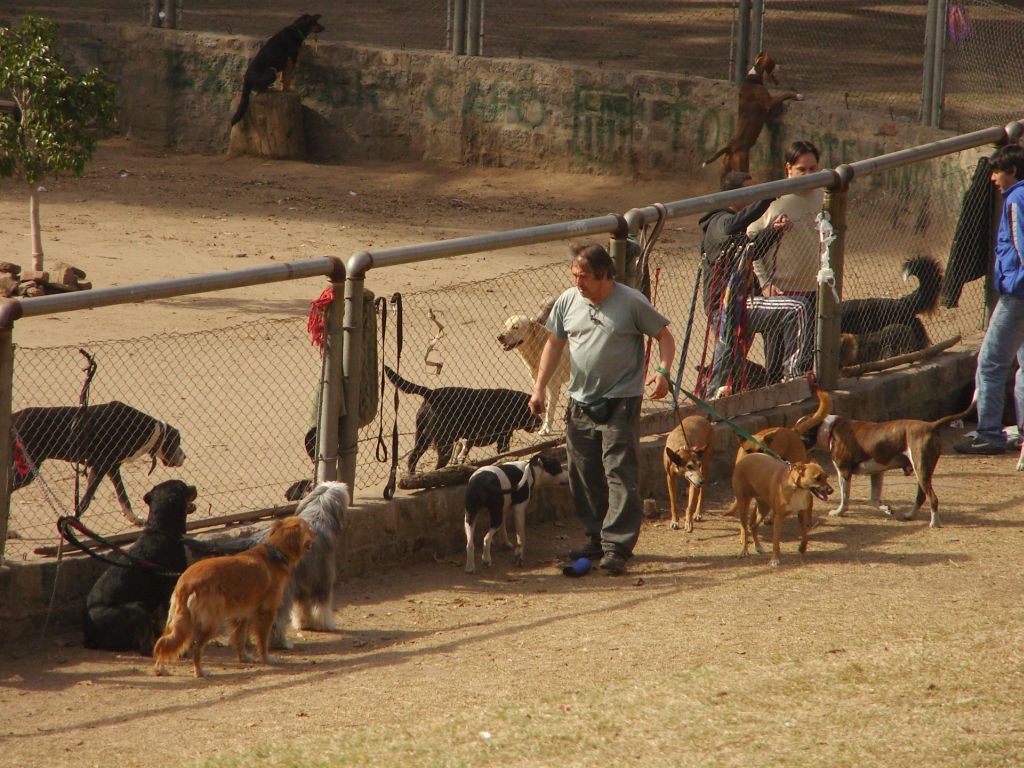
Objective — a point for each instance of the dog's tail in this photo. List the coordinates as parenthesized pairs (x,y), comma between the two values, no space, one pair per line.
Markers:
(177,634)
(928,272)
(243,103)
(805,423)
(938,423)
(715,156)
(406,386)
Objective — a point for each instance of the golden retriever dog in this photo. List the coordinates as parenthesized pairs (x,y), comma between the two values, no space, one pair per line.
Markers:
(688,450)
(780,488)
(243,590)
(527,337)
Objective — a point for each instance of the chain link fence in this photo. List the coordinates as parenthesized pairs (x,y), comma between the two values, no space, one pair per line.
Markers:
(243,397)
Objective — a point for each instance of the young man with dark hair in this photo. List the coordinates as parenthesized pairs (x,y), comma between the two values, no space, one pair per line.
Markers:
(1004,338)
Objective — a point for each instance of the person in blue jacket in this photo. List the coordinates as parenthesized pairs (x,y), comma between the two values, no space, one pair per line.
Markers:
(1005,335)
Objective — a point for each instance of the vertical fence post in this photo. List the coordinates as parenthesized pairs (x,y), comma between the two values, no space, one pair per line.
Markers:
(938,64)
(6,400)
(171,14)
(826,363)
(333,388)
(154,7)
(459,27)
(927,87)
(756,28)
(742,42)
(352,363)
(473,26)
(618,249)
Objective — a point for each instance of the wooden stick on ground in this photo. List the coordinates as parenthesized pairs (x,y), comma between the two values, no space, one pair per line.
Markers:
(892,362)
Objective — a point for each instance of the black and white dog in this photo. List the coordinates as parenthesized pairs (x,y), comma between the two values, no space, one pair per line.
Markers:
(308,601)
(101,437)
(127,606)
(501,490)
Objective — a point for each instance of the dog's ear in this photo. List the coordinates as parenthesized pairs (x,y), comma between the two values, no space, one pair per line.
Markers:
(674,457)
(148,497)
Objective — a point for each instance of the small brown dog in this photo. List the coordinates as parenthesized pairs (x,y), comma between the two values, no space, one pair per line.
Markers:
(787,442)
(756,107)
(780,488)
(244,590)
(872,448)
(688,450)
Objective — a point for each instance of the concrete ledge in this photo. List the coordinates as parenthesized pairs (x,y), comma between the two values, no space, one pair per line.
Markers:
(429,524)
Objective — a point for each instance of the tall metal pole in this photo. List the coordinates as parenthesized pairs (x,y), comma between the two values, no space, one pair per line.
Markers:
(6,402)
(473,28)
(826,364)
(352,363)
(938,64)
(459,27)
(927,82)
(742,42)
(756,28)
(332,389)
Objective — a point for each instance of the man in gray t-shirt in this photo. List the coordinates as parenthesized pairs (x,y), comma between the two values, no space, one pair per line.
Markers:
(604,323)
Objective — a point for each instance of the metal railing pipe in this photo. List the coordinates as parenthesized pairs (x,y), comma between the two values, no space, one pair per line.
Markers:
(927,85)
(181,286)
(929,151)
(360,262)
(473,11)
(352,366)
(459,27)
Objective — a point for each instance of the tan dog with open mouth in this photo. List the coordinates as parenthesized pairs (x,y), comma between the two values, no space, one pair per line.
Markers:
(787,442)
(779,488)
(244,590)
(872,448)
(688,450)
(527,337)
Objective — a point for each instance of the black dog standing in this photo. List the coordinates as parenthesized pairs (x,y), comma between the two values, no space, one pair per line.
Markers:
(278,55)
(126,606)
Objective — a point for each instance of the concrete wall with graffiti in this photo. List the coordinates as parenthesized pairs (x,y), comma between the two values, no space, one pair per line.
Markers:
(177,90)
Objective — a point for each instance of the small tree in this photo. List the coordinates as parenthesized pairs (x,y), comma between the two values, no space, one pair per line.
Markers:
(53,129)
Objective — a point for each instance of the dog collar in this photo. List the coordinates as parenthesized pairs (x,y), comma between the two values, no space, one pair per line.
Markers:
(276,554)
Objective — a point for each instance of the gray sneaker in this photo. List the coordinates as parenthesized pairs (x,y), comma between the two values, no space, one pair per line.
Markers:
(612,563)
(979,447)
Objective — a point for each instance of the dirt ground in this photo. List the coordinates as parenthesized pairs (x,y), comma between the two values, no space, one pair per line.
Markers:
(889,643)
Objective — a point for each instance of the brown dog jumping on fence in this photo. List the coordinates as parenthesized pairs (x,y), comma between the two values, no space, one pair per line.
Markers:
(756,107)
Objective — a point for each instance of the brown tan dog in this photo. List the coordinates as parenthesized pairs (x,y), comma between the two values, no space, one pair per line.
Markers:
(786,442)
(780,488)
(688,450)
(244,590)
(872,448)
(756,107)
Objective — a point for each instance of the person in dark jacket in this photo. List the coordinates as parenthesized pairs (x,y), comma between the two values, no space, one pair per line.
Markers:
(1004,338)
(732,301)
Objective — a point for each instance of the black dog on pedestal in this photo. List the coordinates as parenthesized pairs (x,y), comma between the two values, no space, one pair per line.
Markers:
(127,605)
(278,55)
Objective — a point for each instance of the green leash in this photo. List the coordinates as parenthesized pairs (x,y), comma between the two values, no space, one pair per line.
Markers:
(732,425)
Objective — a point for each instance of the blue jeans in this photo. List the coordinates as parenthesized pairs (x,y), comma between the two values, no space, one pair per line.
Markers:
(1003,339)
(604,474)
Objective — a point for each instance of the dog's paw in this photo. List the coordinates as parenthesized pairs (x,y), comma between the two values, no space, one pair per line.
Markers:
(886,510)
(517,559)
(799,97)
(689,526)
(545,430)
(837,512)
(470,568)
(774,563)
(273,660)
(909,515)
(759,547)
(1020,462)
(675,525)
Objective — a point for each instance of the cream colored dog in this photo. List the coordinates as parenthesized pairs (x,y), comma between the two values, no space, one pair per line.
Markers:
(779,488)
(688,450)
(527,337)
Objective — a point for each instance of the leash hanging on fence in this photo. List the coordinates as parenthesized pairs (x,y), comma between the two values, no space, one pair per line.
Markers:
(382,449)
(79,417)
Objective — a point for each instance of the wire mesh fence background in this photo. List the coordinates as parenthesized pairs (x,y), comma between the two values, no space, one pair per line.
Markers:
(865,55)
(243,397)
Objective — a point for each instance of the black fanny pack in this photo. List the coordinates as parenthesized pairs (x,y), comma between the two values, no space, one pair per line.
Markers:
(599,411)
